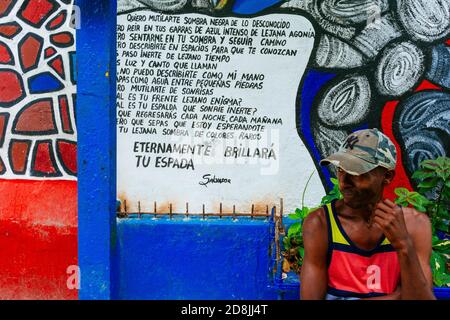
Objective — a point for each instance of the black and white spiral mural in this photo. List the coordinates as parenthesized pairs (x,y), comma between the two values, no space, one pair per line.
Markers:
(376,63)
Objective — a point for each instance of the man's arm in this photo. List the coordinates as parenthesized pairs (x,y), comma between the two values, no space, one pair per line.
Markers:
(419,229)
(314,276)
(413,247)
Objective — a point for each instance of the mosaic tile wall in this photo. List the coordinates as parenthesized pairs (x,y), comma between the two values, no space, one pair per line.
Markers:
(37,89)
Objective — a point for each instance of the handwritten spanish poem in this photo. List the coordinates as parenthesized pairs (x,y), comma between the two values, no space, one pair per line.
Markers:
(206,110)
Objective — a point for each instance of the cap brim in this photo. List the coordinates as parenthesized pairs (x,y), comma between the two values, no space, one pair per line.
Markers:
(349,163)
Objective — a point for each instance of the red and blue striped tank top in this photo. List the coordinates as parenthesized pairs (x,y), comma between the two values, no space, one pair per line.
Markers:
(356,273)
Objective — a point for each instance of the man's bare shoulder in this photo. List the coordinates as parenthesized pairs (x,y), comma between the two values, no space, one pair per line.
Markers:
(415,220)
(315,234)
(315,221)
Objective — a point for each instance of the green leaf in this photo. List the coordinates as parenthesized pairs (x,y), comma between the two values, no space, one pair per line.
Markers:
(442,246)
(443,162)
(304,212)
(420,198)
(423,174)
(300,214)
(287,243)
(438,267)
(334,181)
(298,238)
(429,183)
(429,164)
(442,173)
(402,192)
(447,184)
(301,251)
(443,213)
(295,216)
(442,224)
(295,228)
(434,239)
(421,208)
(443,279)
(332,195)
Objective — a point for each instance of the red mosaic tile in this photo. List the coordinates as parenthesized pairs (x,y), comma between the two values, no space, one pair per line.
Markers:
(50,51)
(3,124)
(11,88)
(18,155)
(65,115)
(67,153)
(2,166)
(6,56)
(57,21)
(62,39)
(36,118)
(36,12)
(6,6)
(58,65)
(30,49)
(10,30)
(44,160)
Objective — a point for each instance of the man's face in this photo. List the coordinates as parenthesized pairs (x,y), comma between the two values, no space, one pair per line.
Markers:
(358,191)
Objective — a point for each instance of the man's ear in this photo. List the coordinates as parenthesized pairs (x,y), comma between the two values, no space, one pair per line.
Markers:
(388,176)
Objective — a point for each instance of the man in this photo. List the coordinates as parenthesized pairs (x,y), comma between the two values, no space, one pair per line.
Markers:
(365,246)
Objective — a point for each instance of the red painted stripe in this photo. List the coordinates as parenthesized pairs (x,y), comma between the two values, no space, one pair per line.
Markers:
(38,238)
(401,178)
(34,259)
(46,202)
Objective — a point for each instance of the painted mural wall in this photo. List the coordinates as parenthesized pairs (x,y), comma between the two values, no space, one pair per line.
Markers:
(317,69)
(376,63)
(38,167)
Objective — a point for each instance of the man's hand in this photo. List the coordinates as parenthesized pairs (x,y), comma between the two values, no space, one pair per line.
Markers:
(389,218)
(413,250)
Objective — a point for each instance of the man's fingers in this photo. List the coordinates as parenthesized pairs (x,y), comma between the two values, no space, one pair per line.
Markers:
(380,222)
(389,203)
(381,215)
(382,206)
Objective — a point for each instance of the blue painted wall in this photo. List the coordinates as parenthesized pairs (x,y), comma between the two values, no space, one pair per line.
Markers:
(194,259)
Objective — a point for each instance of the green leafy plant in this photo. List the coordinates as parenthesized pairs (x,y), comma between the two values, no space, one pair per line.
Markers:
(293,242)
(433,197)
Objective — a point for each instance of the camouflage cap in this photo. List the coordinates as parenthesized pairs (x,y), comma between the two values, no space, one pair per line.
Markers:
(363,151)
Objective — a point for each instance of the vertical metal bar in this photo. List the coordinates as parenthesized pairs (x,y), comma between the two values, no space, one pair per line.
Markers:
(234,211)
(203,208)
(187,209)
(170,210)
(139,209)
(154,207)
(125,206)
(253,211)
(220,215)
(281,212)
